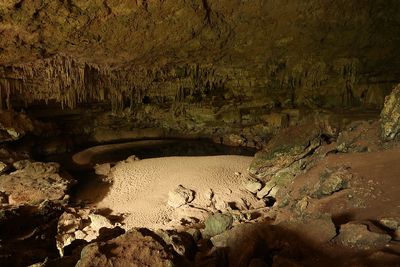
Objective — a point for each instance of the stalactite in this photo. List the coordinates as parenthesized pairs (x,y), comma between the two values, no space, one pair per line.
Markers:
(69,82)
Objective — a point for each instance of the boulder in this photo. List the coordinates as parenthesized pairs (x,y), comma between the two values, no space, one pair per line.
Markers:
(358,236)
(390,116)
(180,196)
(390,223)
(35,182)
(182,242)
(359,136)
(331,181)
(268,190)
(135,248)
(102,169)
(287,147)
(316,228)
(252,184)
(79,224)
(217,224)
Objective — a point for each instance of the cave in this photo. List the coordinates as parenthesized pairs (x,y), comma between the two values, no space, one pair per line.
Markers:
(199,133)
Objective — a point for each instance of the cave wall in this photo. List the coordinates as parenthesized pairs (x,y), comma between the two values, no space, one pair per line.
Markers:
(201,56)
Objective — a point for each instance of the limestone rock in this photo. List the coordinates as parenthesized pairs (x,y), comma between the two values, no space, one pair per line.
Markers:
(131,249)
(234,140)
(391,223)
(267,190)
(183,243)
(358,236)
(317,228)
(396,234)
(390,116)
(286,148)
(359,136)
(21,164)
(79,224)
(103,169)
(217,223)
(252,184)
(331,181)
(180,196)
(35,182)
(186,214)
(275,120)
(132,158)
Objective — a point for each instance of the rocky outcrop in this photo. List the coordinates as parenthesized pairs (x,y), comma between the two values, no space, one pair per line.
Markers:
(79,224)
(358,236)
(390,116)
(284,150)
(34,182)
(131,249)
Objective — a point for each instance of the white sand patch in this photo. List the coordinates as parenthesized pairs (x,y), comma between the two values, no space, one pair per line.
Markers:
(140,188)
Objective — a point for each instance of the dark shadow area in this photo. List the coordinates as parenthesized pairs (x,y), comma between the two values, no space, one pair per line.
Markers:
(175,148)
(273,245)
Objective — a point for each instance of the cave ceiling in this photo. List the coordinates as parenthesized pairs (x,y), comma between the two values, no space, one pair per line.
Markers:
(245,46)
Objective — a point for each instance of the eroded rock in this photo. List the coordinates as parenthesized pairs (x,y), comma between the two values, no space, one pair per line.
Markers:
(359,136)
(331,181)
(317,228)
(289,146)
(269,189)
(103,169)
(390,116)
(131,249)
(183,243)
(79,224)
(180,196)
(217,223)
(35,182)
(358,236)
(390,223)
(252,184)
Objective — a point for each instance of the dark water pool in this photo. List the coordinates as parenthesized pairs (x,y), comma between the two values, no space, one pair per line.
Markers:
(174,148)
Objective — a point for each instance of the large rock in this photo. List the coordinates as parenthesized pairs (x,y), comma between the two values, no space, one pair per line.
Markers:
(331,181)
(252,184)
(358,236)
(390,116)
(287,147)
(180,196)
(79,224)
(131,249)
(35,182)
(315,228)
(217,224)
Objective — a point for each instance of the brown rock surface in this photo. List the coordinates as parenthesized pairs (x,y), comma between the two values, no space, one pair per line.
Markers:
(34,183)
(312,53)
(130,249)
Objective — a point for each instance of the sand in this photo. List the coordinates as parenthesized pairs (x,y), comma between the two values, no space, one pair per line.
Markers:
(140,188)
